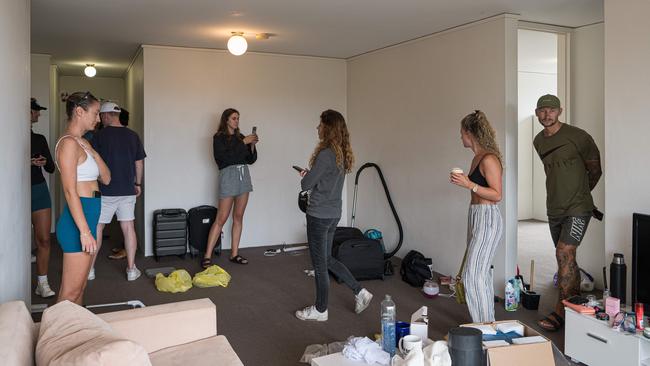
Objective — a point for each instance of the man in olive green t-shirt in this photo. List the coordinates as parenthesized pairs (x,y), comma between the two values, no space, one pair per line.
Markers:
(572,164)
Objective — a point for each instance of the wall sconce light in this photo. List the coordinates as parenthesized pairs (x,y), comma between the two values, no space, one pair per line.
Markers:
(237,44)
(90,70)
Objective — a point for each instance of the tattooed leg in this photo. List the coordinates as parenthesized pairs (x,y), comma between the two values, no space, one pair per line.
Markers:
(568,274)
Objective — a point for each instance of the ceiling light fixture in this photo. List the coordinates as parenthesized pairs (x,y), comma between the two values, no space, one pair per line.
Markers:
(90,70)
(237,44)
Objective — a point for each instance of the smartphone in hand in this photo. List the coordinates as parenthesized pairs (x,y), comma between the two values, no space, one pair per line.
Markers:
(299,169)
(254,130)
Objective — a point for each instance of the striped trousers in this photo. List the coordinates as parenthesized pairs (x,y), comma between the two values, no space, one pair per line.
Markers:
(484,230)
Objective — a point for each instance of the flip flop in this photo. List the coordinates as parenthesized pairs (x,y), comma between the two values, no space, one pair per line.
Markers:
(118,254)
(554,319)
(239,259)
(206,262)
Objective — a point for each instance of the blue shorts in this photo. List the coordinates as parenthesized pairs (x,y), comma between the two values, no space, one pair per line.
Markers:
(40,197)
(67,232)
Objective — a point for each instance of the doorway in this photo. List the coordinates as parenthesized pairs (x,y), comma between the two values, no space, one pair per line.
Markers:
(542,65)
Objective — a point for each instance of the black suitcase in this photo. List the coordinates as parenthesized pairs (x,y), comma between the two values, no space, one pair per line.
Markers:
(363,257)
(169,232)
(344,233)
(200,221)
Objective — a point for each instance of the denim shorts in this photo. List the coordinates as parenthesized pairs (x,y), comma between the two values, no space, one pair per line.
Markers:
(67,233)
(234,180)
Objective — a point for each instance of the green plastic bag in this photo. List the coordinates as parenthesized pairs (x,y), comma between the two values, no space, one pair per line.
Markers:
(211,277)
(177,281)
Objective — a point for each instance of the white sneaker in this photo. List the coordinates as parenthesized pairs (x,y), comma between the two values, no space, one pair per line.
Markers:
(132,274)
(43,290)
(91,274)
(362,300)
(310,313)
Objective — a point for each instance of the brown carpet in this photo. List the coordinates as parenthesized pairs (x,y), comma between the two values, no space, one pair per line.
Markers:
(256,312)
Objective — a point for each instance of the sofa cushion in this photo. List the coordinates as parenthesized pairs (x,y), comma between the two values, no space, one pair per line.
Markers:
(213,351)
(161,326)
(16,334)
(71,335)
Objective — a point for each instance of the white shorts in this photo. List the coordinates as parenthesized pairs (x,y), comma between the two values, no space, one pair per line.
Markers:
(123,206)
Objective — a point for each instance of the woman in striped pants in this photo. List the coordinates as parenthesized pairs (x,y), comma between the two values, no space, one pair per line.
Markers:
(485,224)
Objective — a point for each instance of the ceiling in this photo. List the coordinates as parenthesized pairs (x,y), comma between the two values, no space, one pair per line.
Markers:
(108,33)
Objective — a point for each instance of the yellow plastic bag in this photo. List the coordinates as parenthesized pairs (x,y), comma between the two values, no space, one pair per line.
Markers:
(177,281)
(212,276)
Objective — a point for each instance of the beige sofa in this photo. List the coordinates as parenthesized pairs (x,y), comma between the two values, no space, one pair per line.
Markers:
(181,333)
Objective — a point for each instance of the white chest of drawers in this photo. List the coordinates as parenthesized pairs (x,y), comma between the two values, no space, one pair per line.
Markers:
(594,343)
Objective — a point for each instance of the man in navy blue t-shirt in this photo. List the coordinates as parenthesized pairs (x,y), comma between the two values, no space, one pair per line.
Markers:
(124,154)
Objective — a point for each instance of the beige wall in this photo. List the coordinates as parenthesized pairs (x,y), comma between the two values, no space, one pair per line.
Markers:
(103,88)
(587,112)
(185,91)
(134,103)
(627,130)
(405,104)
(15,268)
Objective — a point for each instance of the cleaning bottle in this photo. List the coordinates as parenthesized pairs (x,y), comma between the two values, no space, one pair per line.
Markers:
(511,302)
(388,316)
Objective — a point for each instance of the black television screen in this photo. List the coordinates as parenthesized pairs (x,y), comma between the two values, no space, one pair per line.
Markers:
(641,260)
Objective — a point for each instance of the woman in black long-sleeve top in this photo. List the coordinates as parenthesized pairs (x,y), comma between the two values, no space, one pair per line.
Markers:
(233,152)
(41,202)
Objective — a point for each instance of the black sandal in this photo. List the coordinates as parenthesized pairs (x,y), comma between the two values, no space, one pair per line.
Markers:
(556,321)
(206,262)
(239,259)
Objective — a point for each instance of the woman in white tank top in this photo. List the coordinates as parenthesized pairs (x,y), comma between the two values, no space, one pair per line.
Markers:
(80,166)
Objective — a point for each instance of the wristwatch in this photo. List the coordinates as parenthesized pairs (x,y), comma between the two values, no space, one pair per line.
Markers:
(475,188)
(138,184)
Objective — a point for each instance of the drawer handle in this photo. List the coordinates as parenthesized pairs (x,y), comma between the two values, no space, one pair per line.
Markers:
(598,338)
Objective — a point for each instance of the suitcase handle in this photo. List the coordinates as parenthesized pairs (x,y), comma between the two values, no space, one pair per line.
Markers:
(171,212)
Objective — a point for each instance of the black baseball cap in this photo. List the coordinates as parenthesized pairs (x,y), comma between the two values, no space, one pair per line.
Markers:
(36,106)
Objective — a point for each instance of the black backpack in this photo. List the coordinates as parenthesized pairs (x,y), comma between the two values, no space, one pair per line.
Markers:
(415,268)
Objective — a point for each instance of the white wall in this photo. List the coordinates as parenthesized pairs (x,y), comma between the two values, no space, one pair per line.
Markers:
(15,266)
(40,89)
(405,105)
(627,91)
(185,91)
(134,103)
(103,88)
(587,112)
(537,75)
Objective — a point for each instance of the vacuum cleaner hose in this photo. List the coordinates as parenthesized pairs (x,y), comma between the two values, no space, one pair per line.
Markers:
(390,203)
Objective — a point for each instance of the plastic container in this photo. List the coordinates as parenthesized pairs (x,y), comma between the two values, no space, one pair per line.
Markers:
(388,316)
(530,300)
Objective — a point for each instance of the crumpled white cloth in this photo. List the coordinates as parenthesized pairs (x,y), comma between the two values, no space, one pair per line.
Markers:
(364,349)
(435,354)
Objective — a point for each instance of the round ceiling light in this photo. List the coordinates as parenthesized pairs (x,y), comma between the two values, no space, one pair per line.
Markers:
(90,70)
(237,44)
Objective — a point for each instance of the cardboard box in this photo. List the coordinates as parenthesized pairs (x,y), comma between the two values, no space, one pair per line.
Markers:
(420,323)
(536,354)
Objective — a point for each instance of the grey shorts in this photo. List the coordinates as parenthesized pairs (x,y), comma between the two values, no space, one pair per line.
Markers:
(122,206)
(234,180)
(568,229)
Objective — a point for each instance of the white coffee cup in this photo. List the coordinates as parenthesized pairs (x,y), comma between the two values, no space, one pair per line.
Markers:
(409,342)
(456,171)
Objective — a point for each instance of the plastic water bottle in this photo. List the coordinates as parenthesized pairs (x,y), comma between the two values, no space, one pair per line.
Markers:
(511,301)
(388,316)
